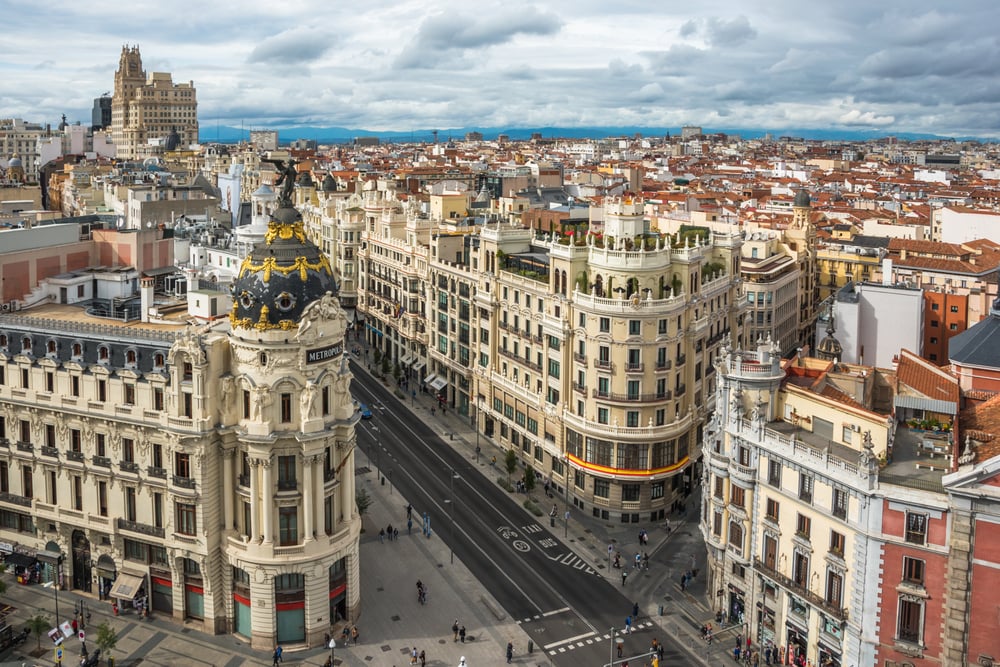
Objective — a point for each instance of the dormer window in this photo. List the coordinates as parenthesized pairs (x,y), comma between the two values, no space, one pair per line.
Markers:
(158,360)
(77,350)
(186,366)
(50,347)
(3,340)
(26,344)
(130,357)
(103,354)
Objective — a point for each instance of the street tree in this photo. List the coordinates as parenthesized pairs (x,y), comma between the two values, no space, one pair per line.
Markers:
(363,501)
(38,624)
(107,639)
(510,463)
(529,479)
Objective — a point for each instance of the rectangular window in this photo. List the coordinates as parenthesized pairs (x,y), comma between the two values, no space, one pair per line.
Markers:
(805,488)
(186,519)
(837,543)
(803,526)
(737,495)
(74,385)
(602,415)
(840,503)
(50,381)
(100,444)
(186,403)
(53,493)
(286,473)
(129,503)
(774,473)
(553,368)
(717,524)
(27,482)
(634,327)
(128,395)
(913,571)
(916,528)
(910,620)
(770,552)
(661,327)
(773,510)
(128,450)
(601,488)
(77,492)
(182,464)
(834,589)
(158,509)
(158,399)
(246,404)
(325,400)
(286,408)
(102,498)
(800,569)
(102,390)
(288,527)
(605,324)
(719,481)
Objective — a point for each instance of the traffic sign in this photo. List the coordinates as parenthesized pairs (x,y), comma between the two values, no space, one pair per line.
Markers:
(82,636)
(58,654)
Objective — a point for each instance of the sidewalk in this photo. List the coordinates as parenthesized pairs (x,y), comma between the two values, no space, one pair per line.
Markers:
(678,613)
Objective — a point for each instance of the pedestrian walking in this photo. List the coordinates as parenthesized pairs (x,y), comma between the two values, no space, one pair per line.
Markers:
(635,610)
(413,656)
(683,581)
(461,634)
(354,634)
(461,662)
(620,645)
(381,535)
(395,533)
(624,577)
(409,510)
(454,630)
(409,526)
(510,652)
(388,531)
(628,625)
(423,658)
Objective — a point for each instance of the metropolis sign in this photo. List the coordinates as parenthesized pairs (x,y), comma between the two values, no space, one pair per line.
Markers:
(324,353)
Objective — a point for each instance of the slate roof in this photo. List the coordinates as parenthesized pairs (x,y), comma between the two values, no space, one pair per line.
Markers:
(979,345)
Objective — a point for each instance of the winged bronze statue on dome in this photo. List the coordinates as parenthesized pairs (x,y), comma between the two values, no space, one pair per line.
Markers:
(286,179)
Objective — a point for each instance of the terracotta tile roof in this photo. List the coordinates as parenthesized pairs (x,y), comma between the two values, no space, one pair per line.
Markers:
(981,422)
(834,394)
(927,247)
(926,378)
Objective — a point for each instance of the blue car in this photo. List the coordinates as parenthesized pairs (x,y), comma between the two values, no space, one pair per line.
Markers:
(365,412)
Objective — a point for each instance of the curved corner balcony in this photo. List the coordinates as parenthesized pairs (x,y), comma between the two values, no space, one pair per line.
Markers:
(603,305)
(629,433)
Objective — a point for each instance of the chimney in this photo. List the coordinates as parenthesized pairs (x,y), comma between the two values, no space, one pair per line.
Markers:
(146,297)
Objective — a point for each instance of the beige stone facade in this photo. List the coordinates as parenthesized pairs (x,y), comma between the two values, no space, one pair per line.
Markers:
(149,108)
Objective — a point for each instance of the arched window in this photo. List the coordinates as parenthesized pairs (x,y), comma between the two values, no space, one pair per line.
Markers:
(103,353)
(50,347)
(26,344)
(130,357)
(158,360)
(77,350)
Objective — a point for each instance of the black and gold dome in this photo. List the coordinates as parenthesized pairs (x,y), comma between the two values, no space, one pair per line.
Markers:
(281,276)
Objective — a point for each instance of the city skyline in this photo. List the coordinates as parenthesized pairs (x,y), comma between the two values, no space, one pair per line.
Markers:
(891,68)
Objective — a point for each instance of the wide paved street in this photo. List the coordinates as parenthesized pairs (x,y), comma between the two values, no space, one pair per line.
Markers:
(513,578)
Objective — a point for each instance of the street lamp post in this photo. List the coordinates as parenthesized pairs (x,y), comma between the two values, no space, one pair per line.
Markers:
(451,516)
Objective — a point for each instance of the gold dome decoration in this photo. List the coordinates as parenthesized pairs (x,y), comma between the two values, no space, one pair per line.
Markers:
(301,264)
(284,231)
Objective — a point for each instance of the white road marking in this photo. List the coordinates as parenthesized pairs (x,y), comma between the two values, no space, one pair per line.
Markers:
(553,645)
(555,611)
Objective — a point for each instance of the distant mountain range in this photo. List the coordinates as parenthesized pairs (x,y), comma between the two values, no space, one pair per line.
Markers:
(342,135)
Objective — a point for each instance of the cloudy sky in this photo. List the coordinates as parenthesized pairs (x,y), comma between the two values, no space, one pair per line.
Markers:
(885,65)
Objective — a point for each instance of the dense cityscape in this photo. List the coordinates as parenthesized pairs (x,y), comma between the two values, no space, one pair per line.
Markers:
(780,353)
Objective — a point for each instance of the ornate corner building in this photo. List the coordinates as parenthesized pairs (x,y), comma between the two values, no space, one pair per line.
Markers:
(595,354)
(209,468)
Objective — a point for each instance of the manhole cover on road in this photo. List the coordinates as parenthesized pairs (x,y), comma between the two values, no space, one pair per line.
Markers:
(385,648)
(394,618)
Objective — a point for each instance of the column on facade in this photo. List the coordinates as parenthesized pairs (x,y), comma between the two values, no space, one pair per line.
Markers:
(265,502)
(228,456)
(254,499)
(319,524)
(308,499)
(348,486)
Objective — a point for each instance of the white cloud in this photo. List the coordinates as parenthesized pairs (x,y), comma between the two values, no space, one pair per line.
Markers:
(897,65)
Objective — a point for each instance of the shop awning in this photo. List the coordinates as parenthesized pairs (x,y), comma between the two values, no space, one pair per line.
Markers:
(438,383)
(419,366)
(126,586)
(19,560)
(405,359)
